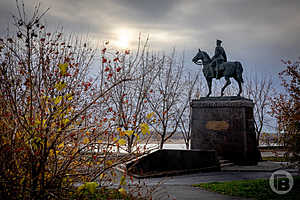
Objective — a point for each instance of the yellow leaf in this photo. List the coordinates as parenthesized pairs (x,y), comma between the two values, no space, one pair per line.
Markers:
(22,180)
(101,176)
(144,128)
(69,97)
(91,186)
(65,121)
(57,100)
(44,123)
(60,86)
(109,162)
(37,122)
(61,145)
(122,142)
(129,132)
(122,191)
(63,68)
(86,140)
(150,115)
(51,152)
(18,134)
(122,133)
(122,180)
(137,136)
(81,187)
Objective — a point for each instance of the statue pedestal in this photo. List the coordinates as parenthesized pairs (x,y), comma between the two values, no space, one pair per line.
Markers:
(225,124)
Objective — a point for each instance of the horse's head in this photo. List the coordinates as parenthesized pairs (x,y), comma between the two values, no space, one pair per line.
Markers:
(198,58)
(201,58)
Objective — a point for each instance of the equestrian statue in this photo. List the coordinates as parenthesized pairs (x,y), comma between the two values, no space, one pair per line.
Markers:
(218,67)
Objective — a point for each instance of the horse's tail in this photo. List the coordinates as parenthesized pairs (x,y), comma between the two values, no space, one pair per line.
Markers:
(239,71)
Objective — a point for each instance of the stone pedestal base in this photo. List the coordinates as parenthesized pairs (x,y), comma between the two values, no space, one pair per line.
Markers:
(225,124)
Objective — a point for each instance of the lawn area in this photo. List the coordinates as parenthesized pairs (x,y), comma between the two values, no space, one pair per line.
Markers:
(275,159)
(257,189)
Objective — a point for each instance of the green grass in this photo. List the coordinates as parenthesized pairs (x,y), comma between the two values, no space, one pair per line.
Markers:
(275,159)
(257,189)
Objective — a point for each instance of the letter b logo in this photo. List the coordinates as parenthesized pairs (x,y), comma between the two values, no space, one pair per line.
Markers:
(281,182)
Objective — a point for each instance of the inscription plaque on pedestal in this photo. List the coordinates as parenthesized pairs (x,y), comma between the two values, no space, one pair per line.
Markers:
(225,124)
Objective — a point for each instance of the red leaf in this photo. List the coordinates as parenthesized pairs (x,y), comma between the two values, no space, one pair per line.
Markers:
(104,60)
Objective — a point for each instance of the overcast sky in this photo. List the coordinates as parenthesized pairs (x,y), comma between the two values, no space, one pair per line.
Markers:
(259,33)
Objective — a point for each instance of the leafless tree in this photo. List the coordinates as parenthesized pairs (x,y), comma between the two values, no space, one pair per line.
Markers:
(170,98)
(260,91)
(185,123)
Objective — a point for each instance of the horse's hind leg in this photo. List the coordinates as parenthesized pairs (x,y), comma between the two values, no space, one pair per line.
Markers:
(240,86)
(228,82)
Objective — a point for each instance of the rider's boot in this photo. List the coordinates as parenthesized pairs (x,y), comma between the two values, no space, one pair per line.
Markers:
(218,71)
(217,75)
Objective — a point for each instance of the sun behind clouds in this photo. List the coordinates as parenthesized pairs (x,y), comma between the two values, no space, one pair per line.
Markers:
(124,37)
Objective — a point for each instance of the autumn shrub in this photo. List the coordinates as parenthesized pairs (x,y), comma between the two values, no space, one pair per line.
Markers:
(55,123)
(286,109)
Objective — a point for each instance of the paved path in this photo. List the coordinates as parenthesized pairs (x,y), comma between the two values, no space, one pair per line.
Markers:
(190,179)
(180,187)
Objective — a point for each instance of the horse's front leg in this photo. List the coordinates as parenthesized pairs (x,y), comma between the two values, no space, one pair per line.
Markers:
(209,81)
(240,88)
(228,82)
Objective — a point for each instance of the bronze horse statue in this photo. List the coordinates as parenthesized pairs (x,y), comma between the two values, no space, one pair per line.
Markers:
(226,69)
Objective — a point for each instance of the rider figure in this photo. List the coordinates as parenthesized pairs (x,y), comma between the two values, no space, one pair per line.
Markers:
(218,58)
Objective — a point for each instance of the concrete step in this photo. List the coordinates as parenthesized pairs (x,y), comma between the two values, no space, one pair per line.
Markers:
(225,163)
(221,161)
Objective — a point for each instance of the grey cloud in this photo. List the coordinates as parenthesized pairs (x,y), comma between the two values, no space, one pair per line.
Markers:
(258,32)
(145,11)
